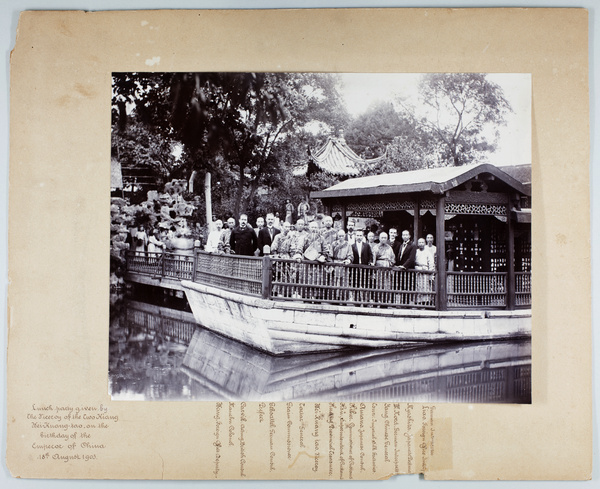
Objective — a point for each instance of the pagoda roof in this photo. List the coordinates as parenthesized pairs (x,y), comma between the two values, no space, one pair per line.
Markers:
(435,180)
(336,158)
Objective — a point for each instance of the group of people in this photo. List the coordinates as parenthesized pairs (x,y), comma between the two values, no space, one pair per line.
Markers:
(153,241)
(325,244)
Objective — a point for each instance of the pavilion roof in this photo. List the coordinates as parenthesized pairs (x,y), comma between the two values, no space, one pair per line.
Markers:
(435,180)
(336,158)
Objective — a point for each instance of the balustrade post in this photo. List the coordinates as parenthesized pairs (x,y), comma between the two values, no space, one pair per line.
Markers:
(441,300)
(267,276)
(510,259)
(195,264)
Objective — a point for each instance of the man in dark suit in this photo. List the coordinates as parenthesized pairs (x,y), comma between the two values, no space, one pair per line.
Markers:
(362,278)
(406,253)
(243,239)
(361,250)
(267,234)
(405,260)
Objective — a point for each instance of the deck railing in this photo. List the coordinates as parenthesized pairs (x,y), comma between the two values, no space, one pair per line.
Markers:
(231,272)
(523,289)
(334,283)
(161,264)
(476,289)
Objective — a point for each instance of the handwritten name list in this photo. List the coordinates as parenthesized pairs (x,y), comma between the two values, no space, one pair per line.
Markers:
(347,440)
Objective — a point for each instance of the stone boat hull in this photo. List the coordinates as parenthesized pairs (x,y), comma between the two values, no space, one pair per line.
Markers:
(283,328)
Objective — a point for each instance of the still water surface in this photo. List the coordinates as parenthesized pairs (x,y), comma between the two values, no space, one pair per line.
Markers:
(160,353)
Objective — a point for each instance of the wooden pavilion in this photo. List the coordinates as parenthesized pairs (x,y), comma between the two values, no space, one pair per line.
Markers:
(480,216)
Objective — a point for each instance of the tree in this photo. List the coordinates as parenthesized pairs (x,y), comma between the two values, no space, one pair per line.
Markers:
(142,139)
(247,129)
(250,119)
(371,132)
(460,109)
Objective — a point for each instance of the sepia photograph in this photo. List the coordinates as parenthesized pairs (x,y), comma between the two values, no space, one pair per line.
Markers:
(313,260)
(320,237)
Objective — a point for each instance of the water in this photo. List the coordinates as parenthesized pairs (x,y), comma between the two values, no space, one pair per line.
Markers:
(158,352)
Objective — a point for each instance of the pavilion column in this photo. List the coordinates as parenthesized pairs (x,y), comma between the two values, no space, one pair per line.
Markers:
(440,228)
(416,219)
(208,197)
(344,223)
(510,258)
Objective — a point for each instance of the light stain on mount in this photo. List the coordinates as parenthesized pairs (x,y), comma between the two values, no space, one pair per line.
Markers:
(87,92)
(64,30)
(561,239)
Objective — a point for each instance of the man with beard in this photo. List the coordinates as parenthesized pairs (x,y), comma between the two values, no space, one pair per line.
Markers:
(350,237)
(260,224)
(243,240)
(266,235)
(362,254)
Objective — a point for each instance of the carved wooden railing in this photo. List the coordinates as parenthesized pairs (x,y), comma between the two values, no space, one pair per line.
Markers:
(158,264)
(334,283)
(231,272)
(476,289)
(523,289)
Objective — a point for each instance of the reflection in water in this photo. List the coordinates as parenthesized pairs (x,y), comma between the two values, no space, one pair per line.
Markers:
(160,353)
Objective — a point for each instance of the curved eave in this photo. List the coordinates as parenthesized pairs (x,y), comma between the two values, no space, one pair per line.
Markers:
(425,186)
(382,190)
(485,168)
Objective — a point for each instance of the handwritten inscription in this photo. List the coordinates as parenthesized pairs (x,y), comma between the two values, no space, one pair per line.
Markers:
(69,433)
(408,435)
(242,438)
(345,440)
(217,434)
(318,417)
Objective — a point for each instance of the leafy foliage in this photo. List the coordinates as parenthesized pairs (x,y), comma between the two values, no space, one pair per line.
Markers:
(251,130)
(460,106)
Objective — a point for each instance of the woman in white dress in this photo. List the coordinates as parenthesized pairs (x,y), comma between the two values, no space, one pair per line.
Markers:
(141,241)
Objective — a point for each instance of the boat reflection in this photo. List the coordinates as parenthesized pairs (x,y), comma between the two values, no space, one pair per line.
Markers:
(158,353)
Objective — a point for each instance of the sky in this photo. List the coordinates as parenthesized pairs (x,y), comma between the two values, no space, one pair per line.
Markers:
(360,90)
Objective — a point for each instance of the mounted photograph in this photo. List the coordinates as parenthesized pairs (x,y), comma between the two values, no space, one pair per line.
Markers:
(320,237)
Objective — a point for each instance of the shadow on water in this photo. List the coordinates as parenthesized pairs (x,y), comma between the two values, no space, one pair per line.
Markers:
(160,353)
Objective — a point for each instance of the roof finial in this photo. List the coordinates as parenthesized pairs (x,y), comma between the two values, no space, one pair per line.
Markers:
(341,137)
